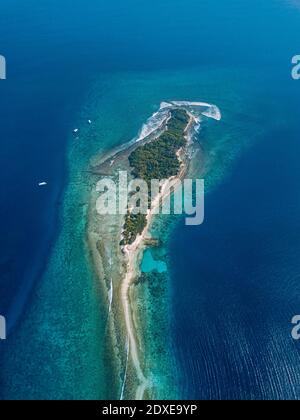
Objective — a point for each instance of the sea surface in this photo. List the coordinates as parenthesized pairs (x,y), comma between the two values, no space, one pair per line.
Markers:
(232,284)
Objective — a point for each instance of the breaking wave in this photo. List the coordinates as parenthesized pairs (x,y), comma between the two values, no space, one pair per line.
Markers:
(126,367)
(153,124)
(110,296)
(159,118)
(209,110)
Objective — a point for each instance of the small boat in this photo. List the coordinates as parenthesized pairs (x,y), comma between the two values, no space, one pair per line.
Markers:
(42,184)
(90,121)
(76,130)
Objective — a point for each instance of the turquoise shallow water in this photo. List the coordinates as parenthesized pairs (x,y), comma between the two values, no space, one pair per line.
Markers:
(68,284)
(68,313)
(149,264)
(116,73)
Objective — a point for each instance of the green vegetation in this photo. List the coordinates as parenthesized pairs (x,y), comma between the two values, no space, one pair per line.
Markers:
(134,226)
(156,160)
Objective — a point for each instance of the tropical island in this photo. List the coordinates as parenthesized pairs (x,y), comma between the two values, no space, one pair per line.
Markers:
(156,160)
(117,241)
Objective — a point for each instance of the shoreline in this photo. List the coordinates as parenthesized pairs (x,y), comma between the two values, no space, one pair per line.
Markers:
(133,252)
(117,268)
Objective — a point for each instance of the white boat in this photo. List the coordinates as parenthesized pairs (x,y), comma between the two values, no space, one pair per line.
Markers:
(42,184)
(76,130)
(90,121)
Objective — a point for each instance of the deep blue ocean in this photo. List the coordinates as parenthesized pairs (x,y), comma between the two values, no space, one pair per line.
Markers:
(242,288)
(235,279)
